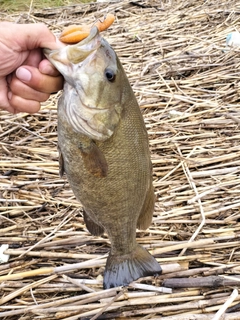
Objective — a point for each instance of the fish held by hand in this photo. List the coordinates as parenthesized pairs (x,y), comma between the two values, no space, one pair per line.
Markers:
(104,151)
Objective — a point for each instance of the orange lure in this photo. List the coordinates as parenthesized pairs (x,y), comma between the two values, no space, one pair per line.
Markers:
(76,33)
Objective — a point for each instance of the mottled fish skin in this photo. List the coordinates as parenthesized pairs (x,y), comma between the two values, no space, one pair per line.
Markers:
(111,175)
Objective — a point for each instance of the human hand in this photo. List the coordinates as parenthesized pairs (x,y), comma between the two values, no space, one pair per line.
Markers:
(26,77)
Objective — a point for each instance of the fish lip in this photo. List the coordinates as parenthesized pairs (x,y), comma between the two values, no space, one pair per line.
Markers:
(76,53)
(93,33)
(80,51)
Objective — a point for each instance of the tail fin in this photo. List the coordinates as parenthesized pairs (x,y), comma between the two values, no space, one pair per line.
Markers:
(121,270)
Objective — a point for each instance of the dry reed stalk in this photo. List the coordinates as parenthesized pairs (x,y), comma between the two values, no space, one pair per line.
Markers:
(234,316)
(210,281)
(117,305)
(43,271)
(46,254)
(94,262)
(25,288)
(225,306)
(192,305)
(86,298)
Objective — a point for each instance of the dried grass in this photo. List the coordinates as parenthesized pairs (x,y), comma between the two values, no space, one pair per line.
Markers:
(187,85)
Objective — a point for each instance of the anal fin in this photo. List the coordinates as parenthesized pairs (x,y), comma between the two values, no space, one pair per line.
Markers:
(93,227)
(122,270)
(145,217)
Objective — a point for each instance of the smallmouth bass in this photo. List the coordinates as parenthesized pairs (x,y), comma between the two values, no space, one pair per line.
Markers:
(104,151)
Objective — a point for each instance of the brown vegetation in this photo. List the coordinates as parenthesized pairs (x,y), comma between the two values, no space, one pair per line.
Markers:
(187,84)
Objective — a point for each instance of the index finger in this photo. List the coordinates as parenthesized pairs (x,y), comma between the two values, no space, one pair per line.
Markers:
(31,36)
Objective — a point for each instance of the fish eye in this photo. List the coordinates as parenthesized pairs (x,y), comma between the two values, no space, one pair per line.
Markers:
(110,75)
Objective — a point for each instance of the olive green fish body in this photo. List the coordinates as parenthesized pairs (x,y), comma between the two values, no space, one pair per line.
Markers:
(110,174)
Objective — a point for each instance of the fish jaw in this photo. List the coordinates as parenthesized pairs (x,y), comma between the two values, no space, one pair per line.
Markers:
(67,59)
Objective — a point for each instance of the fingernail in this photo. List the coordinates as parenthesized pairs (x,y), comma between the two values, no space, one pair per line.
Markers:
(47,69)
(23,74)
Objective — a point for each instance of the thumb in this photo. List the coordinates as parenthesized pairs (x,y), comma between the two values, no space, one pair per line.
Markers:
(39,81)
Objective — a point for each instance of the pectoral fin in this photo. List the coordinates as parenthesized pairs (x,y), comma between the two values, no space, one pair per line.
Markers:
(94,160)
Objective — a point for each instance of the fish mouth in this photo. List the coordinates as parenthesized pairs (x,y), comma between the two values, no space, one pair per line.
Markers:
(80,51)
(74,54)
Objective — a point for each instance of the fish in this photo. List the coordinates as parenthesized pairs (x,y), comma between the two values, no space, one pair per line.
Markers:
(104,151)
